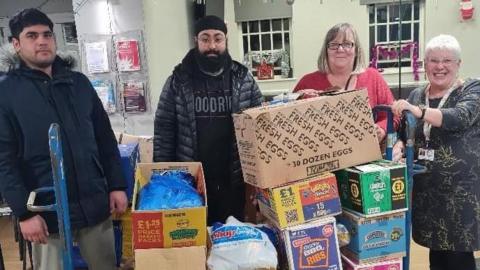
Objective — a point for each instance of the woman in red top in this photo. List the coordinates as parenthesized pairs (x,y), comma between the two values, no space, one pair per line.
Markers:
(341,65)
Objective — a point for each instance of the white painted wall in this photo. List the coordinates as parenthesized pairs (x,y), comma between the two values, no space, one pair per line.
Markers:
(168,38)
(443,17)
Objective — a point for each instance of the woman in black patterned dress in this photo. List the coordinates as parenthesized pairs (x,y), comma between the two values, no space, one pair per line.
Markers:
(446,199)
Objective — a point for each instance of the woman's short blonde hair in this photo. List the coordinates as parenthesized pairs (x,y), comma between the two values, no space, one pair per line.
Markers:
(444,42)
(342,28)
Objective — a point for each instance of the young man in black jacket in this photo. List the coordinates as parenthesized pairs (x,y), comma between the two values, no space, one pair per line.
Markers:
(40,89)
(193,120)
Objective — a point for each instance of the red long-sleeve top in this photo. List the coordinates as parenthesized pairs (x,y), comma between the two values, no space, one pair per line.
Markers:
(378,90)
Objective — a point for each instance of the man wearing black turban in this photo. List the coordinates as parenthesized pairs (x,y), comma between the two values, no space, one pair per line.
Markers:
(193,120)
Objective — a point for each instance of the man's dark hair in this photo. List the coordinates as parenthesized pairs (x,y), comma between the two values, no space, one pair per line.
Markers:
(26,18)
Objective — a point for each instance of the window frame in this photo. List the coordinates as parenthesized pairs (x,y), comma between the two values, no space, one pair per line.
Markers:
(285,49)
(394,44)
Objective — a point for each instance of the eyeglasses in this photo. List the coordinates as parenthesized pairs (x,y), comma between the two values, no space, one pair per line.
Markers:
(445,62)
(346,45)
(215,40)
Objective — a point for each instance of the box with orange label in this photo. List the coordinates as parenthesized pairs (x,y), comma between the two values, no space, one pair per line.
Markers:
(301,201)
(169,227)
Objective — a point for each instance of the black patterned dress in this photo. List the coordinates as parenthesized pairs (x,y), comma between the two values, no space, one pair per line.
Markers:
(446,199)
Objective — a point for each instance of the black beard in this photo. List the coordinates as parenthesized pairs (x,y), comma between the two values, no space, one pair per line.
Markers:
(211,64)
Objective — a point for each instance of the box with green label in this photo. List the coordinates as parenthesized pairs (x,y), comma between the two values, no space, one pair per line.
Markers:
(373,188)
(398,183)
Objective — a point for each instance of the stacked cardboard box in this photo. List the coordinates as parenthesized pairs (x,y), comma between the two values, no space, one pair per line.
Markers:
(132,149)
(287,152)
(169,236)
(374,188)
(374,197)
(301,201)
(145,146)
(129,158)
(394,264)
(282,143)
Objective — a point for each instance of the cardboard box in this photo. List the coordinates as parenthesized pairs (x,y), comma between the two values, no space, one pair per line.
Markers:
(185,258)
(145,146)
(395,264)
(302,201)
(374,188)
(127,249)
(173,227)
(374,238)
(398,183)
(129,157)
(293,141)
(312,245)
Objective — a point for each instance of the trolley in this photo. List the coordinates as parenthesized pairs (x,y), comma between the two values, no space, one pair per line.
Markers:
(410,123)
(61,200)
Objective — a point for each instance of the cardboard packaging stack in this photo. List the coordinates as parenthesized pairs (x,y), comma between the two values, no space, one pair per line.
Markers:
(129,157)
(288,152)
(281,143)
(394,264)
(374,198)
(133,149)
(145,145)
(162,239)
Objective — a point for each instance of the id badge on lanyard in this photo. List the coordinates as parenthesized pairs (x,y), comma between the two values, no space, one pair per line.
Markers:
(426,152)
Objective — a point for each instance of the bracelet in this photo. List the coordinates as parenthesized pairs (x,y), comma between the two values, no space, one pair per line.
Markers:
(423,113)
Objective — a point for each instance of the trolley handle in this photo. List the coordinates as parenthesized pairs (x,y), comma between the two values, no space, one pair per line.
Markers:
(39,208)
(391,134)
(410,127)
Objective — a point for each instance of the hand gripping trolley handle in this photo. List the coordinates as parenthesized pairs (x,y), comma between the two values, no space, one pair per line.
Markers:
(61,200)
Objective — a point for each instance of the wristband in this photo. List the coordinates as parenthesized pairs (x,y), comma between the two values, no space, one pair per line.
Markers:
(423,109)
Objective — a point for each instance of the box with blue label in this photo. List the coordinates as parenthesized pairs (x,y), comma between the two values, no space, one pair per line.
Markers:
(374,238)
(313,245)
(129,157)
(301,201)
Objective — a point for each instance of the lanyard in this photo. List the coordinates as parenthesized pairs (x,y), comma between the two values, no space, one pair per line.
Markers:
(427,127)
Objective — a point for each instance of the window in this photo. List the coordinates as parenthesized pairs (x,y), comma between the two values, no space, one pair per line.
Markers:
(387,41)
(267,40)
(69,33)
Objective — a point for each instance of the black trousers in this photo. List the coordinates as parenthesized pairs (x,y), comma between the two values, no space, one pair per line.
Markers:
(451,260)
(228,201)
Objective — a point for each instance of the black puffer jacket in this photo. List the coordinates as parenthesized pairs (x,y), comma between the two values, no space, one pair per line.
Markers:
(175,132)
(30,101)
